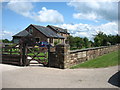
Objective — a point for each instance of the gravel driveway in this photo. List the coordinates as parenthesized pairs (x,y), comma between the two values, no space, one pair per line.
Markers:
(43,77)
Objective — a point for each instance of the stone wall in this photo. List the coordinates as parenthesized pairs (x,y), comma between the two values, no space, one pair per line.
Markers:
(62,57)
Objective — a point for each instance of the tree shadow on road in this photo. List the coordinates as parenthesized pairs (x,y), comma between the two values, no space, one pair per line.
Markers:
(115,79)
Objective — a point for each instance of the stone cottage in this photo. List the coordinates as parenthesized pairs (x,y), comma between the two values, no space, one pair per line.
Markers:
(50,34)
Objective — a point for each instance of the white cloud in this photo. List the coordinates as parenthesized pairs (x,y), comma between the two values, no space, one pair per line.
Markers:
(23,8)
(107,10)
(86,30)
(49,15)
(90,16)
(109,28)
(44,15)
(6,34)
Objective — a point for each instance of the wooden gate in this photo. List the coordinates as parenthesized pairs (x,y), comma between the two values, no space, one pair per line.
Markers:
(39,54)
(26,52)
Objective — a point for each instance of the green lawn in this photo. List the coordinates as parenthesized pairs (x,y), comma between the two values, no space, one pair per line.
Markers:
(106,60)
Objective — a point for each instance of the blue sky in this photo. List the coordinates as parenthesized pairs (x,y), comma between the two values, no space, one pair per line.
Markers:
(82,19)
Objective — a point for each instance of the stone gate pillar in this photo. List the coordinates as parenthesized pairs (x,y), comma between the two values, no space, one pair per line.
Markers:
(62,55)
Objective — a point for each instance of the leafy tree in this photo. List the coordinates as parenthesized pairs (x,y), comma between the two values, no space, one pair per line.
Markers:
(102,39)
(91,44)
(6,41)
(97,41)
(71,41)
(117,38)
(79,43)
(86,42)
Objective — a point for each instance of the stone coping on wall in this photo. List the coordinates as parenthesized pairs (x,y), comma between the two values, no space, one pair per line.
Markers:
(87,49)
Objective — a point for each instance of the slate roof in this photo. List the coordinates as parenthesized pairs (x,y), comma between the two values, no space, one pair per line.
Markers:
(22,33)
(58,29)
(47,31)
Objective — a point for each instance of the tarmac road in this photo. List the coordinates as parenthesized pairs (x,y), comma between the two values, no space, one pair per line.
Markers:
(43,77)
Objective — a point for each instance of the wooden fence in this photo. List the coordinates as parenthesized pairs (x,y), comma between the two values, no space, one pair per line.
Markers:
(11,55)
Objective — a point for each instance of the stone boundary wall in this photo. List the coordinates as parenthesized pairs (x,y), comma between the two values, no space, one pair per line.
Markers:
(63,58)
(79,56)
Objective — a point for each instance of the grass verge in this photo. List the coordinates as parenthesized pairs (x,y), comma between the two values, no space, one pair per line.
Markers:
(110,59)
